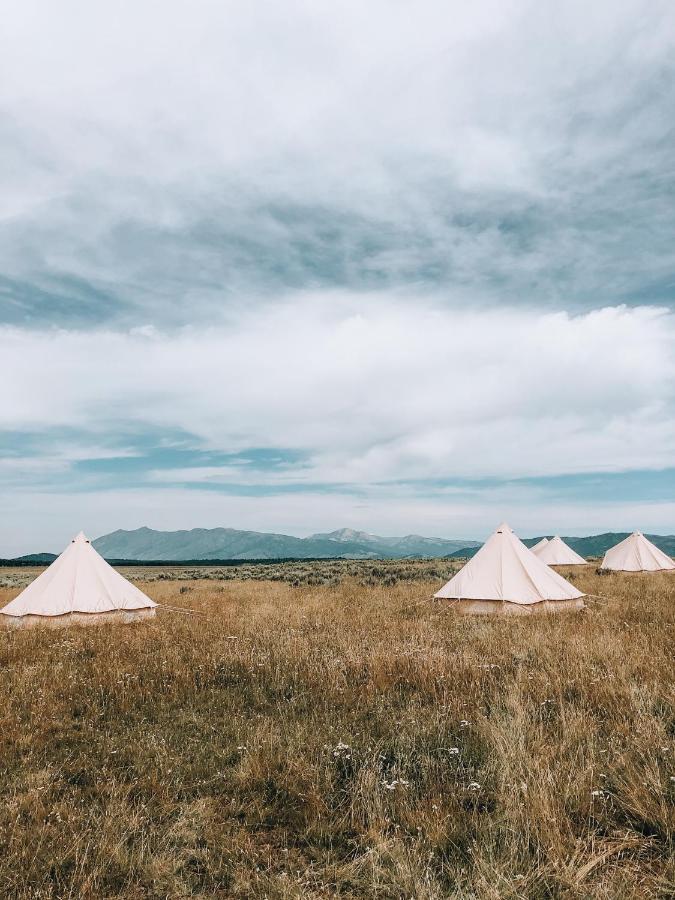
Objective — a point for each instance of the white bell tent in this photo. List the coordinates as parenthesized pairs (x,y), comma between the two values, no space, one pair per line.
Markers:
(539,545)
(505,577)
(558,553)
(636,554)
(79,586)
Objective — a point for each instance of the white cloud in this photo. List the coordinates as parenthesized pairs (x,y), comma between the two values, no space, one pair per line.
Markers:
(495,145)
(378,391)
(230,82)
(372,205)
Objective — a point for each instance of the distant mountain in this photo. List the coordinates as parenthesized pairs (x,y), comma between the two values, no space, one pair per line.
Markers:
(30,559)
(410,545)
(463,553)
(595,545)
(229,543)
(349,535)
(37,559)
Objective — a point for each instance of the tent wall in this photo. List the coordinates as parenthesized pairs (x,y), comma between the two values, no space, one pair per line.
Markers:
(504,608)
(118,617)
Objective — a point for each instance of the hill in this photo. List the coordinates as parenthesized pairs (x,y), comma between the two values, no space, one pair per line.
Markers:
(30,559)
(594,545)
(599,544)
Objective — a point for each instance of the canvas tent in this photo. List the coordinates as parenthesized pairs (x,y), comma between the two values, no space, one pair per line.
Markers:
(504,576)
(558,553)
(636,554)
(81,587)
(538,546)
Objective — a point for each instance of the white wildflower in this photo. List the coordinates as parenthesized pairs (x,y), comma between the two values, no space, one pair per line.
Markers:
(392,785)
(342,750)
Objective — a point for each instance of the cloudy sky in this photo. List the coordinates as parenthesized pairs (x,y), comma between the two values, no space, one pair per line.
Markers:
(402,266)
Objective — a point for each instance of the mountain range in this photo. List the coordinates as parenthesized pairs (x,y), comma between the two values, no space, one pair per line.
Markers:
(229,543)
(203,544)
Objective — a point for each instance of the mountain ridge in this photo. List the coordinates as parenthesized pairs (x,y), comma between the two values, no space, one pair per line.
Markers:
(231,543)
(594,545)
(222,544)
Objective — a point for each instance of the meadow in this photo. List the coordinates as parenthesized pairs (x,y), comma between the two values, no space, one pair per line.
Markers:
(319,730)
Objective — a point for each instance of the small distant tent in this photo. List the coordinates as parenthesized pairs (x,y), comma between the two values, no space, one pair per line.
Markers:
(558,553)
(538,546)
(636,554)
(505,577)
(78,587)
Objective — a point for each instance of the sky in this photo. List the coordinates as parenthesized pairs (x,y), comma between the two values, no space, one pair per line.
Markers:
(399,266)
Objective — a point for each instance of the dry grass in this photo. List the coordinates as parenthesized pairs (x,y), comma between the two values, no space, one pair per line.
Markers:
(342,739)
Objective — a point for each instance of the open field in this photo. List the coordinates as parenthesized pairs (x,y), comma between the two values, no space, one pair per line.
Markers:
(331,733)
(367,572)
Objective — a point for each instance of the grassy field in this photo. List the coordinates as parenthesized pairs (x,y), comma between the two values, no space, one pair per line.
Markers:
(324,730)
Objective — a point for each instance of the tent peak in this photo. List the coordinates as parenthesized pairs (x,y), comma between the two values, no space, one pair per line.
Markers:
(80,538)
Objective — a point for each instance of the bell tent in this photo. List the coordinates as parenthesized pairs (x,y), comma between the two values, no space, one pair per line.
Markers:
(636,554)
(539,545)
(79,586)
(505,577)
(558,553)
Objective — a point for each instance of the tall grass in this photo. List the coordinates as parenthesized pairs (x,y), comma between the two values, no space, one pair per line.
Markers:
(343,740)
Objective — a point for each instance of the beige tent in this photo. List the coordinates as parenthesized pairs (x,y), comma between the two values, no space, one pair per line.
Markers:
(538,546)
(504,576)
(79,587)
(557,553)
(636,554)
